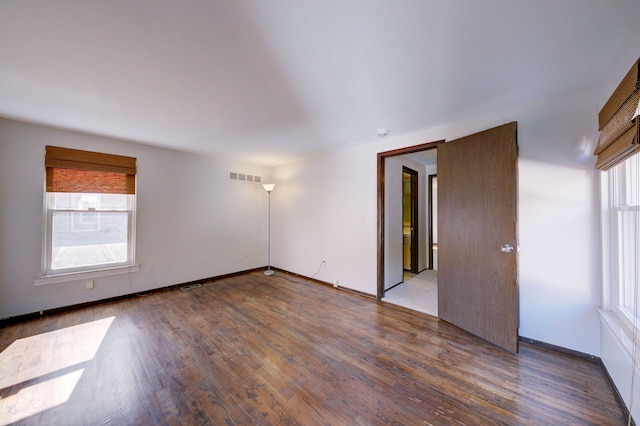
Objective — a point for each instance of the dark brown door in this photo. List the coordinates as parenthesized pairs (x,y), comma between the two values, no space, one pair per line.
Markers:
(477,231)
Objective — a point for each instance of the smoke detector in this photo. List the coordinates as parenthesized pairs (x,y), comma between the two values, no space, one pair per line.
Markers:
(382,132)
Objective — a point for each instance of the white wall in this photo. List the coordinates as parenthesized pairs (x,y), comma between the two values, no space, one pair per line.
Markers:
(324,208)
(393,265)
(331,199)
(558,224)
(192,222)
(616,342)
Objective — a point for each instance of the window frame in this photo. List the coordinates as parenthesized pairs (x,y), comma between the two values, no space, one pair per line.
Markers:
(90,174)
(612,285)
(49,212)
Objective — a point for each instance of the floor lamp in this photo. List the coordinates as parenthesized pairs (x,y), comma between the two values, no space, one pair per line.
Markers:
(269,187)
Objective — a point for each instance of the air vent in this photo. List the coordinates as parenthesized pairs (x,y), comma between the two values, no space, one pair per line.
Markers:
(243,177)
(190,286)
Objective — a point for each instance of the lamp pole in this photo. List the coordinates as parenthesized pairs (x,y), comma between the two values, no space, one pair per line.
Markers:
(269,187)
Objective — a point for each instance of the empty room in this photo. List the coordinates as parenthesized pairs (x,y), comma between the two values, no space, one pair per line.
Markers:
(331,212)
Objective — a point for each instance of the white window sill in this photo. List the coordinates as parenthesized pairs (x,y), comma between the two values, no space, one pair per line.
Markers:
(619,329)
(86,275)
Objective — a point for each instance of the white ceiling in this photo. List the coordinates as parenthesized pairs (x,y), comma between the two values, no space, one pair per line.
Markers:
(270,80)
(427,158)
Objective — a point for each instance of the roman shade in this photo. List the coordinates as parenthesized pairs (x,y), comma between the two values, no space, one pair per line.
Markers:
(72,170)
(619,123)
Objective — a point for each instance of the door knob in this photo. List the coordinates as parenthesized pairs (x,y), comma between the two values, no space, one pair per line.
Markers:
(507,248)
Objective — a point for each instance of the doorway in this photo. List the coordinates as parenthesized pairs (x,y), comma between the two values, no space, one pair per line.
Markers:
(477,177)
(406,270)
(410,249)
(390,264)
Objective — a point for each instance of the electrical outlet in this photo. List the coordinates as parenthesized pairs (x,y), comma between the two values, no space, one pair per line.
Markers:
(88,284)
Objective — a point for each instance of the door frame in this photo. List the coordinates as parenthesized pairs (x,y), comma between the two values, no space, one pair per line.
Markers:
(382,156)
(413,176)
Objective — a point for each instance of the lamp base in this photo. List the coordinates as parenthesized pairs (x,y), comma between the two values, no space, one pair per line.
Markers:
(269,272)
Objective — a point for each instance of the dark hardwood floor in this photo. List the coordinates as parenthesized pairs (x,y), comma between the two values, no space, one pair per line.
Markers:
(265,350)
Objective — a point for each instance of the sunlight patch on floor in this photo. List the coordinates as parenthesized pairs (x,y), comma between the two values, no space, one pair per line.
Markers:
(34,371)
(36,398)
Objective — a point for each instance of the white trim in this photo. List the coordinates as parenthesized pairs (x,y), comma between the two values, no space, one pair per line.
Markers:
(620,331)
(609,294)
(47,257)
(85,275)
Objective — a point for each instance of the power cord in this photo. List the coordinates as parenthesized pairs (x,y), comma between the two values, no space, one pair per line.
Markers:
(304,279)
(324,262)
(300,281)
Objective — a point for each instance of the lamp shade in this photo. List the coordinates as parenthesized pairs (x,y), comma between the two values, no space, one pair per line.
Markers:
(268,186)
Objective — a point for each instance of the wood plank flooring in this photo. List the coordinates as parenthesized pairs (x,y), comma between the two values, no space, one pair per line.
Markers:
(267,350)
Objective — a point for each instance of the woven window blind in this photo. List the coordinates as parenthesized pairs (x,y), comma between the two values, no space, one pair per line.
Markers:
(619,122)
(72,170)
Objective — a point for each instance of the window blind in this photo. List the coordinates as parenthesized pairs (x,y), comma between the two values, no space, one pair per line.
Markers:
(72,170)
(619,122)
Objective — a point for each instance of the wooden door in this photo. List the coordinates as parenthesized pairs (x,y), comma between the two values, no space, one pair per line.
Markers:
(477,231)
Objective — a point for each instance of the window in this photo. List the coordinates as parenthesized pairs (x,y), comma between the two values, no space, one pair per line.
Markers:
(624,237)
(618,151)
(89,211)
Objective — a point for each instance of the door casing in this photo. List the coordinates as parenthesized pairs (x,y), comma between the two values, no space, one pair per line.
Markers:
(382,156)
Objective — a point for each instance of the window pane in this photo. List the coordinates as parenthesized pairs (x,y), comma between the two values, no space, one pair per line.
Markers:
(71,201)
(626,176)
(632,166)
(88,238)
(628,255)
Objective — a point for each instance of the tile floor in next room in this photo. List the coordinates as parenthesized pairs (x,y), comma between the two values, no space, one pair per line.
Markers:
(418,292)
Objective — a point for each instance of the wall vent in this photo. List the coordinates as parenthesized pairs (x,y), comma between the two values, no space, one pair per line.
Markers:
(243,177)
(190,286)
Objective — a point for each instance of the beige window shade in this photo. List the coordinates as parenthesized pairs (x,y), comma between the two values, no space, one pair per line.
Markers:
(618,122)
(72,170)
